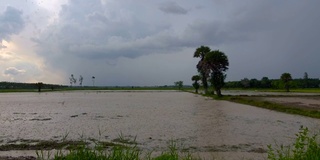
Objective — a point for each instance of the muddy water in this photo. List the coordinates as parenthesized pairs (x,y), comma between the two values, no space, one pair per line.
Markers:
(207,127)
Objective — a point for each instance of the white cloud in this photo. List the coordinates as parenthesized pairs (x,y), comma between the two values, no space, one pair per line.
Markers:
(12,71)
(2,46)
(7,56)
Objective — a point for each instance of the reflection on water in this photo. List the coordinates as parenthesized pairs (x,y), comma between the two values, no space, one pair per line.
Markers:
(202,125)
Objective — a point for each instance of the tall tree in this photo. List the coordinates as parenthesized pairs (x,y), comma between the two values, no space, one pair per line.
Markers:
(72,80)
(245,82)
(93,78)
(202,66)
(306,80)
(286,78)
(217,63)
(254,83)
(39,85)
(196,85)
(265,82)
(80,80)
(179,84)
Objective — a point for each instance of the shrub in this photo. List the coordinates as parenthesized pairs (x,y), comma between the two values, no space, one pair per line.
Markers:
(305,147)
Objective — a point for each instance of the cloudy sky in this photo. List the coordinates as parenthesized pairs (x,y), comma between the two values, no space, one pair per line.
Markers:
(143,42)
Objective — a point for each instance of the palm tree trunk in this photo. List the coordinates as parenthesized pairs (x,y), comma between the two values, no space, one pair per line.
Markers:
(219,92)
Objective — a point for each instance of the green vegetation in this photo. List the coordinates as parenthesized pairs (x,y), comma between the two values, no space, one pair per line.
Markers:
(286,78)
(201,52)
(259,102)
(212,66)
(218,63)
(305,147)
(196,85)
(179,84)
(297,90)
(33,87)
(124,151)
(28,87)
(266,83)
(306,90)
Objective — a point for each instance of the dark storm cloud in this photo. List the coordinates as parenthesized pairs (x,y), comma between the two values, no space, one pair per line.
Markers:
(172,8)
(91,33)
(279,37)
(261,38)
(11,22)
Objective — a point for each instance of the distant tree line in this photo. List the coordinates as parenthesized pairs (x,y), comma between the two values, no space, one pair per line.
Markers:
(285,81)
(17,85)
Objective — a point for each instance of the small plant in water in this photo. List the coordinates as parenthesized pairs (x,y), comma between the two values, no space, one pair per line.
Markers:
(305,147)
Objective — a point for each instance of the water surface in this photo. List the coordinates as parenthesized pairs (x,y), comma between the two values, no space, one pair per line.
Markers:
(201,125)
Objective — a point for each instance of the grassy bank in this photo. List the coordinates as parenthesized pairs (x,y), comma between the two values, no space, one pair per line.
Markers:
(119,149)
(260,102)
(296,90)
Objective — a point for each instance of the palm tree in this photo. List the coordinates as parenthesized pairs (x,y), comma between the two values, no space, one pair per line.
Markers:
(286,78)
(202,66)
(72,80)
(80,80)
(196,85)
(93,78)
(39,85)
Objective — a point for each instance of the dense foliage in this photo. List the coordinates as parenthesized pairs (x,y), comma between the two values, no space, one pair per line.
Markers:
(16,85)
(286,78)
(202,67)
(273,83)
(211,66)
(305,147)
(196,85)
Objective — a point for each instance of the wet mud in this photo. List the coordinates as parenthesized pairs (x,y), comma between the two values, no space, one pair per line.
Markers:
(205,127)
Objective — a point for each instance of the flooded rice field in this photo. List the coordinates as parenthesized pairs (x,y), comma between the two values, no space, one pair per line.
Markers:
(206,127)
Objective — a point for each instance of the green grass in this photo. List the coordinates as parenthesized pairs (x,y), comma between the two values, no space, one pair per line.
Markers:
(305,147)
(118,152)
(298,90)
(258,102)
(307,90)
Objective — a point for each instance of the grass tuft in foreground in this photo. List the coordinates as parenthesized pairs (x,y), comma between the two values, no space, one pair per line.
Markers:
(118,152)
(305,147)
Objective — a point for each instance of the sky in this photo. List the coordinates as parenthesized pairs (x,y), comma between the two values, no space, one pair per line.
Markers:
(151,43)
